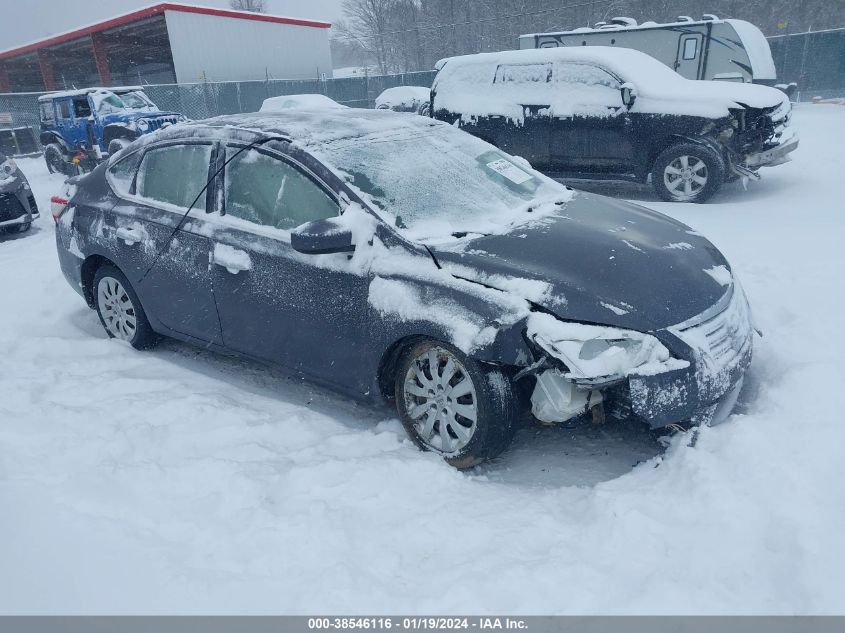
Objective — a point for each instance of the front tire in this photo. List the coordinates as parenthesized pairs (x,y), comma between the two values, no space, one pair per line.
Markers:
(687,172)
(454,405)
(119,309)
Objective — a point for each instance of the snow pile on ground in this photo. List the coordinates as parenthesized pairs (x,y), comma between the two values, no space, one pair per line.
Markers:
(180,481)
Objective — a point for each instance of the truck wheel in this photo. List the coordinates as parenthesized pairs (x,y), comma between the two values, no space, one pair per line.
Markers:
(453,405)
(117,144)
(687,172)
(55,159)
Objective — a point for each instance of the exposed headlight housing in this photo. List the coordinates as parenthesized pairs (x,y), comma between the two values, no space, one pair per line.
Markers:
(143,125)
(597,354)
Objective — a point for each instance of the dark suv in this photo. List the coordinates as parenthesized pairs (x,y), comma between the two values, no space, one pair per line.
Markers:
(599,112)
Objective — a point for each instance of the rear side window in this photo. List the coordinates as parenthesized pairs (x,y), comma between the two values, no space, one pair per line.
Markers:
(64,109)
(174,175)
(523,73)
(268,191)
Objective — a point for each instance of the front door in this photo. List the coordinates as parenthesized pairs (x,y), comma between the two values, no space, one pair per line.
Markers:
(307,312)
(590,130)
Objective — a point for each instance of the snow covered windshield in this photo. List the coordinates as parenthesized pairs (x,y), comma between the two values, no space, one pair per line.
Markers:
(106,101)
(435,181)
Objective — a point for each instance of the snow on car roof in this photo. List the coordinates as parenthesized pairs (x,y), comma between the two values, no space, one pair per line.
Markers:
(85,91)
(632,65)
(303,101)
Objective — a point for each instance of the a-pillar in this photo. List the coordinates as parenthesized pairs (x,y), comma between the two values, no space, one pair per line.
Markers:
(46,66)
(5,85)
(100,59)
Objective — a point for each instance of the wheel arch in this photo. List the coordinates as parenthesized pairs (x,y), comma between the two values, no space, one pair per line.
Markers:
(114,131)
(50,138)
(666,142)
(89,268)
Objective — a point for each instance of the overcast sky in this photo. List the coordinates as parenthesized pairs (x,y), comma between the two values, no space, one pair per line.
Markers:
(26,20)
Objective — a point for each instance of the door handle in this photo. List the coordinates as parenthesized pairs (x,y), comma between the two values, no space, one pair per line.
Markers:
(232,259)
(129,235)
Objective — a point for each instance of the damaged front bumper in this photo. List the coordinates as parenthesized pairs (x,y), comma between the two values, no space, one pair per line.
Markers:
(775,156)
(717,345)
(17,204)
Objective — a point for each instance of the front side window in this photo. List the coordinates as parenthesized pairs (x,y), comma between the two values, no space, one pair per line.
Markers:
(523,73)
(585,75)
(175,175)
(268,191)
(81,108)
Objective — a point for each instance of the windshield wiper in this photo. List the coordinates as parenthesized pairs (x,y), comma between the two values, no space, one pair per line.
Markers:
(460,234)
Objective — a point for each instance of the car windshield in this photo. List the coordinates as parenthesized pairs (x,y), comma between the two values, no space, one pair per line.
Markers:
(438,182)
(110,102)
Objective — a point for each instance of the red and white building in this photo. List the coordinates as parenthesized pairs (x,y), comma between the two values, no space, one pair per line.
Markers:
(171,43)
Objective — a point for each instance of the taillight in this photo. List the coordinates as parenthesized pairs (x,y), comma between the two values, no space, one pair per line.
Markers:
(58,205)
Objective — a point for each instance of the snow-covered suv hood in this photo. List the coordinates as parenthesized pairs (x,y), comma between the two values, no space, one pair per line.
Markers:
(606,261)
(711,99)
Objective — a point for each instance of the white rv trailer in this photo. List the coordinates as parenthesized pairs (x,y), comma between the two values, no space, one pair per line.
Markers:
(709,48)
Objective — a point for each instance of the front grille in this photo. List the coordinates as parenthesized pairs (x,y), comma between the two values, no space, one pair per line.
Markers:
(158,122)
(10,207)
(720,340)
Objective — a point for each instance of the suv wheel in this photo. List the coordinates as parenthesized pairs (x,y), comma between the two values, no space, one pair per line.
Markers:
(453,405)
(687,172)
(120,310)
(54,156)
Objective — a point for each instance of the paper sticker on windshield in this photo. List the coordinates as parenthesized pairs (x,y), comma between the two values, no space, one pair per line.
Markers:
(509,171)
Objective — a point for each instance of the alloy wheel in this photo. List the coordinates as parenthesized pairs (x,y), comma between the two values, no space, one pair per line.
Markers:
(440,399)
(685,177)
(117,309)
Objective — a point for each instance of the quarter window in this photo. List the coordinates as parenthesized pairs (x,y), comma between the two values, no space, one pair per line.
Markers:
(174,175)
(122,173)
(271,192)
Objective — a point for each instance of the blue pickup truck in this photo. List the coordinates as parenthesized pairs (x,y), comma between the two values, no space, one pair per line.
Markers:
(83,127)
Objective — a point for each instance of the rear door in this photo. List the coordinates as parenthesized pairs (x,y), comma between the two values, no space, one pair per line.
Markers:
(168,268)
(307,312)
(591,128)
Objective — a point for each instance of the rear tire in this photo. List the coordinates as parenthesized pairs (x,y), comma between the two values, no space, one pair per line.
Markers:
(687,172)
(54,156)
(119,308)
(439,390)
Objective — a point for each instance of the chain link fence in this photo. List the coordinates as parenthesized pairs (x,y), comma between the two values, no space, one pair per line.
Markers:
(204,100)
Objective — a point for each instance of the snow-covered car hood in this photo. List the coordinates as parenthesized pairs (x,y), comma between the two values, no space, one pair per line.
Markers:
(606,261)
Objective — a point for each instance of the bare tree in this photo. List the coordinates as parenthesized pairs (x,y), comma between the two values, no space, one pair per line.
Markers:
(255,6)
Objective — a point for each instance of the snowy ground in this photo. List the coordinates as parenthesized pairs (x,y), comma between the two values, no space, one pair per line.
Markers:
(180,481)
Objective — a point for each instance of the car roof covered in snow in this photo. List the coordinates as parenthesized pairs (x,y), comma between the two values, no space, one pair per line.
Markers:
(86,91)
(303,126)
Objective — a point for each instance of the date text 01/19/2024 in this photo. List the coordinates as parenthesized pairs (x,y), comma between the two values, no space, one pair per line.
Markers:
(417,623)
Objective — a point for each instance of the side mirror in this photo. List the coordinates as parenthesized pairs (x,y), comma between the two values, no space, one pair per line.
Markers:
(322,236)
(629,94)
